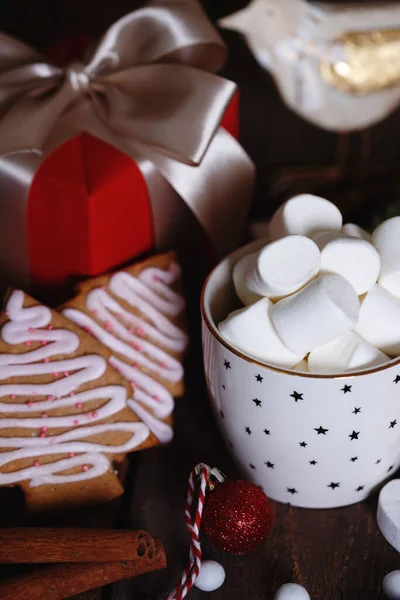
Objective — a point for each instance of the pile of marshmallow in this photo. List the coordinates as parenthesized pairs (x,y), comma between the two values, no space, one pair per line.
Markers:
(321,296)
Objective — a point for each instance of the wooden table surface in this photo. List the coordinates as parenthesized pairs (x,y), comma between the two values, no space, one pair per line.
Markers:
(337,554)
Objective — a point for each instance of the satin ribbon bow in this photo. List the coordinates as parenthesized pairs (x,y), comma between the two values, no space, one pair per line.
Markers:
(149,89)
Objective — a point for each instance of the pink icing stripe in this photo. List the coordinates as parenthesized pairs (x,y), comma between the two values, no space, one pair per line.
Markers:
(22,328)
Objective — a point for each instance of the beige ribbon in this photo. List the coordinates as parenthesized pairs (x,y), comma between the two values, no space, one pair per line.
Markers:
(148,89)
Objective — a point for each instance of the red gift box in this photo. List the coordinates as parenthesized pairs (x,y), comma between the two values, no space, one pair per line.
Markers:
(126,142)
(89,209)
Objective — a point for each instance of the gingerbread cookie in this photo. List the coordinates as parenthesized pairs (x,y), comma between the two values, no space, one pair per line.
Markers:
(64,414)
(138,313)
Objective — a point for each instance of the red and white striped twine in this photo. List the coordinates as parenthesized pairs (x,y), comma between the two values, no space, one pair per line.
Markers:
(192,569)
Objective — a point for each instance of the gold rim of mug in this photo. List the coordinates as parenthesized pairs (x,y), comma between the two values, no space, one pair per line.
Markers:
(254,361)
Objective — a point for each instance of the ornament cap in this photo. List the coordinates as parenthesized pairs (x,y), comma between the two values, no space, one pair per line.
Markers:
(215,476)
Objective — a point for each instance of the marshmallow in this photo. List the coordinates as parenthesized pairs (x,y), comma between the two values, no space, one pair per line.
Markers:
(353,258)
(348,352)
(354,230)
(386,239)
(379,321)
(250,330)
(301,366)
(305,215)
(292,591)
(391,585)
(211,576)
(325,309)
(388,515)
(279,269)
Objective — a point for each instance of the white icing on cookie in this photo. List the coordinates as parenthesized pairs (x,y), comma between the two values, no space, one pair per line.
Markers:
(25,327)
(123,333)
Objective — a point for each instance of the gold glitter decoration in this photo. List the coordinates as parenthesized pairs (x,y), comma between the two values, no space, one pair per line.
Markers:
(371,62)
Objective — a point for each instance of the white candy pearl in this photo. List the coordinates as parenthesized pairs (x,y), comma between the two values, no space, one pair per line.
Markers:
(211,576)
(391,585)
(292,591)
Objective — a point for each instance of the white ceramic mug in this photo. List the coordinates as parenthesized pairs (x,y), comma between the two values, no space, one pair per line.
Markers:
(316,441)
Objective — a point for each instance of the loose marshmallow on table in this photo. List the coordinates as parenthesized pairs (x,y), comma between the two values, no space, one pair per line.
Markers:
(355,231)
(250,329)
(386,239)
(279,269)
(211,576)
(353,258)
(292,591)
(388,515)
(346,353)
(325,309)
(379,321)
(307,215)
(391,585)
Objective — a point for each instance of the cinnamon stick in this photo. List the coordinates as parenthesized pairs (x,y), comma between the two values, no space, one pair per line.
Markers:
(55,582)
(57,545)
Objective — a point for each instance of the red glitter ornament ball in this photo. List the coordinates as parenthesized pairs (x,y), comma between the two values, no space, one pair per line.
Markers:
(237,516)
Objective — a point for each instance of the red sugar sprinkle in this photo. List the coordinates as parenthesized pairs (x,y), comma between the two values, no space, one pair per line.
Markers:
(44,416)
(31,330)
(108,325)
(66,374)
(72,393)
(134,365)
(76,422)
(28,343)
(139,331)
(85,468)
(156,398)
(46,360)
(43,342)
(36,463)
(133,383)
(50,327)
(94,413)
(42,434)
(44,429)
(71,454)
(50,398)
(29,403)
(164,365)
(56,374)
(79,405)
(13,396)
(94,311)
(156,278)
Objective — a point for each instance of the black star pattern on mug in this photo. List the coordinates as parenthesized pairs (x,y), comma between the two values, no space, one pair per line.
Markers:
(354,435)
(356,410)
(296,396)
(390,468)
(354,458)
(270,465)
(248,430)
(303,444)
(313,462)
(292,491)
(222,414)
(227,364)
(251,466)
(320,430)
(334,485)
(360,488)
(396,379)
(346,389)
(392,424)
(259,378)
(231,445)
(267,432)
(223,387)
(257,402)
(378,461)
